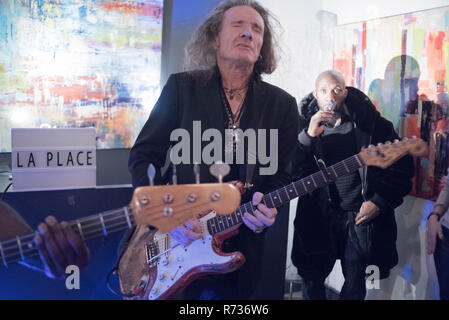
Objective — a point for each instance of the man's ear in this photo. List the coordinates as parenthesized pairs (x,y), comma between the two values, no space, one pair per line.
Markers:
(216,43)
(346,92)
(314,93)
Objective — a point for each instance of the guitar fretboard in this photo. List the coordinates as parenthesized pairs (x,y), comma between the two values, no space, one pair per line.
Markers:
(23,247)
(283,195)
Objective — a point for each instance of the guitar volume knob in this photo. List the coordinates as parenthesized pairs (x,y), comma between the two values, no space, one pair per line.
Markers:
(155,291)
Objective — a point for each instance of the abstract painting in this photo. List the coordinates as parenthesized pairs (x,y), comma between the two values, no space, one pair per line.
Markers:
(402,64)
(79,63)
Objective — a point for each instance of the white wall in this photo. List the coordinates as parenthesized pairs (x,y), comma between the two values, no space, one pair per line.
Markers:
(302,56)
(349,11)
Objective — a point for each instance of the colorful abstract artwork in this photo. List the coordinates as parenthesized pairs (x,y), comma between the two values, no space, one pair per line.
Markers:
(79,63)
(402,64)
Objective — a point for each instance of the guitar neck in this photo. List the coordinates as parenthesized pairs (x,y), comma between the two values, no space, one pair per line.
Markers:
(283,195)
(23,247)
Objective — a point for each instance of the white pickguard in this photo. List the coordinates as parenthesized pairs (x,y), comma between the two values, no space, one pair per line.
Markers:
(178,260)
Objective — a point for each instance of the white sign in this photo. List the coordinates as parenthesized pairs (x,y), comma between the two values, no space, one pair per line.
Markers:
(52,159)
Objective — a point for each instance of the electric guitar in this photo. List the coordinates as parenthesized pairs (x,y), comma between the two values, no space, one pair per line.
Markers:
(164,207)
(155,266)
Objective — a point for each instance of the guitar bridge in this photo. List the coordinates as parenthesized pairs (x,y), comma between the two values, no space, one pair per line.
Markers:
(152,251)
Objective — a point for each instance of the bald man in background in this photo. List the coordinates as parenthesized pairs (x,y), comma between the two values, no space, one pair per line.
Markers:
(352,219)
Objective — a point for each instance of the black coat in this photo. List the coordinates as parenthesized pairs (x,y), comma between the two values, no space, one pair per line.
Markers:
(186,98)
(384,187)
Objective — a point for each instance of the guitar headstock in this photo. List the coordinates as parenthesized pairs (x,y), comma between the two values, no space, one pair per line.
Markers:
(167,207)
(384,155)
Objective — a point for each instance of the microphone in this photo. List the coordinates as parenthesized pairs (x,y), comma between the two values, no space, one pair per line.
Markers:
(333,120)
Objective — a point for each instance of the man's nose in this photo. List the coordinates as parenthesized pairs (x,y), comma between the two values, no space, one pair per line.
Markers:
(247,34)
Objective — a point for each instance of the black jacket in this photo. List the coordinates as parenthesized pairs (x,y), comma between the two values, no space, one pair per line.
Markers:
(384,187)
(186,98)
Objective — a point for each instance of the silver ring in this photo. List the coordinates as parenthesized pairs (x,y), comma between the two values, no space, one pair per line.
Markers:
(258,231)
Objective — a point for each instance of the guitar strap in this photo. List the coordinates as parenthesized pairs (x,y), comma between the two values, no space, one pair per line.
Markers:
(362,246)
(250,168)
(319,159)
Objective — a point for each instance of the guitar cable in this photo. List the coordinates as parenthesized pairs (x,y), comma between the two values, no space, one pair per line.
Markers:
(6,190)
(118,293)
(9,185)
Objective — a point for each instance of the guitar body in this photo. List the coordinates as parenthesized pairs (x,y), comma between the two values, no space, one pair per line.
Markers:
(156,267)
(11,223)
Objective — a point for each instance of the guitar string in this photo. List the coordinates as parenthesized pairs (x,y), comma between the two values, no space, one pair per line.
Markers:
(30,237)
(191,207)
(160,243)
(164,252)
(337,167)
(26,240)
(120,211)
(93,222)
(33,253)
(88,235)
(30,252)
(13,241)
(176,206)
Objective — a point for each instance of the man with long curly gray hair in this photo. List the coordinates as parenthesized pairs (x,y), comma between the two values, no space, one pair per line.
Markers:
(201,51)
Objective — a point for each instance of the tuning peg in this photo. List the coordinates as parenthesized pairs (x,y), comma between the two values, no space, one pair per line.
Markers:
(219,170)
(196,171)
(396,141)
(151,172)
(370,147)
(174,178)
(379,144)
